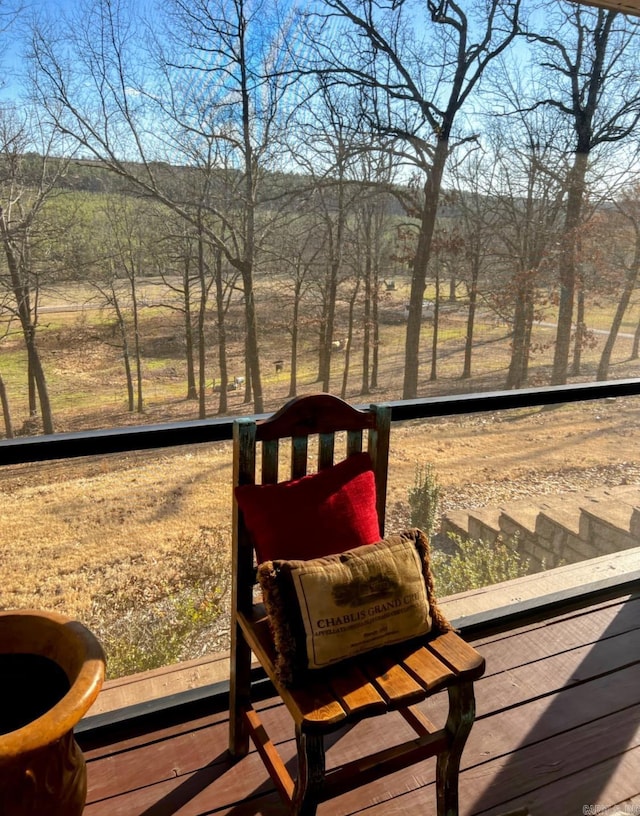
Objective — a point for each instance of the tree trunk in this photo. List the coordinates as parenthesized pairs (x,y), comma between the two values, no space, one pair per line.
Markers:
(128,373)
(636,343)
(6,413)
(202,346)
(37,370)
(366,338)
(471,319)
(581,333)
(567,270)
(515,375)
(322,337)
(21,293)
(253,377)
(433,376)
(247,382)
(375,364)
(420,264)
(524,312)
(337,238)
(192,391)
(125,350)
(136,343)
(31,387)
(329,327)
(293,376)
(623,303)
(222,337)
(349,340)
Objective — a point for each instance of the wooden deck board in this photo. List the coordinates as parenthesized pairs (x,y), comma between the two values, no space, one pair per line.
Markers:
(539,642)
(558,727)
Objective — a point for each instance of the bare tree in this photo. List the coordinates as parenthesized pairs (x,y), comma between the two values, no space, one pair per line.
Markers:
(206,93)
(175,260)
(373,234)
(297,251)
(413,89)
(27,181)
(629,207)
(117,280)
(4,397)
(522,203)
(590,69)
(325,148)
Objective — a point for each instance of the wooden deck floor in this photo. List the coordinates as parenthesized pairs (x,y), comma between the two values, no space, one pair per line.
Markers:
(557,733)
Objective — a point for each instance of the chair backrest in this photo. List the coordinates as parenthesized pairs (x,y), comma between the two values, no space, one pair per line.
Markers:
(318,415)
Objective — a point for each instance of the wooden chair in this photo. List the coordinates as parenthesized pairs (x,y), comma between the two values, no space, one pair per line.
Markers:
(395,678)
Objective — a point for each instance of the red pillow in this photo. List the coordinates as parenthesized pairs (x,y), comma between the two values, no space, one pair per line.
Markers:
(321,514)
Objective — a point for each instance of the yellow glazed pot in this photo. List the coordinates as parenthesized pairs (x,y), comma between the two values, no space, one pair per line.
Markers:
(51,671)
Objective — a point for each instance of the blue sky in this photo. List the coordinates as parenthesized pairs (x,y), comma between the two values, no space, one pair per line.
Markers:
(12,40)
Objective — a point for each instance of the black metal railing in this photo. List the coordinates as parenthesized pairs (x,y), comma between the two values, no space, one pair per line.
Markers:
(173,434)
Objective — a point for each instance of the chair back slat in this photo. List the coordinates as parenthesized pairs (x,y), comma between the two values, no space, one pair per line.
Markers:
(378,448)
(326,447)
(354,442)
(244,452)
(244,469)
(299,447)
(270,451)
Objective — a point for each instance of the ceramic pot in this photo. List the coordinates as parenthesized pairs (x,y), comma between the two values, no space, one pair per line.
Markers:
(51,670)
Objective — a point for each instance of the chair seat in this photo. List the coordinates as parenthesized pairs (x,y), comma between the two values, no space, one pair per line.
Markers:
(384,680)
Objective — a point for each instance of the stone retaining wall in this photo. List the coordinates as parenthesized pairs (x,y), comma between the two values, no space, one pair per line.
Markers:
(556,530)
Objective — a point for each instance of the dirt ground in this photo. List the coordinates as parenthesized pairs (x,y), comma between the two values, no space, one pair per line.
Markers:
(72,531)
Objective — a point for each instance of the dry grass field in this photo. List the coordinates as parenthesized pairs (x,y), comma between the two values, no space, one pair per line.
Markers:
(136,545)
(69,527)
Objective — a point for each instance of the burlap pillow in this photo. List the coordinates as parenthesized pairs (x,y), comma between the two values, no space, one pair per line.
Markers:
(328,609)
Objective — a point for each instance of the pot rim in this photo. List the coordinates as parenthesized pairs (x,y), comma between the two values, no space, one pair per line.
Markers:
(84,687)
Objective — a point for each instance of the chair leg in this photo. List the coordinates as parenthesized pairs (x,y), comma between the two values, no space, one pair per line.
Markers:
(239,693)
(311,768)
(462,710)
